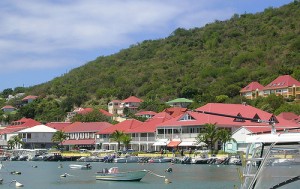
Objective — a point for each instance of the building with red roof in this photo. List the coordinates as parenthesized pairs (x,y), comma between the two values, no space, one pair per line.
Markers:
(188,125)
(124,126)
(252,91)
(290,116)
(82,134)
(8,108)
(142,133)
(58,125)
(175,111)
(284,85)
(29,99)
(106,113)
(11,130)
(117,107)
(145,114)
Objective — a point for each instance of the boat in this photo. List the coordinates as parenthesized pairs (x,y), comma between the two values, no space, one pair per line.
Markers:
(127,159)
(272,161)
(90,159)
(113,174)
(160,160)
(78,166)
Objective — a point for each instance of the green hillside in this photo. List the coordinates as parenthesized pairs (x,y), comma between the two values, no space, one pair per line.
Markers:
(200,63)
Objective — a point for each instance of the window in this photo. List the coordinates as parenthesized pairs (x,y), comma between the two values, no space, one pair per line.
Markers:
(28,135)
(256,117)
(239,119)
(229,146)
(160,131)
(186,117)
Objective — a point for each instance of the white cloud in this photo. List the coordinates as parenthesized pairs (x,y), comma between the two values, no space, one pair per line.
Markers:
(47,34)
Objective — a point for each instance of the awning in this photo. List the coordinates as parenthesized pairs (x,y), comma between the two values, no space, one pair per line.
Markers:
(173,143)
(187,143)
(192,143)
(79,142)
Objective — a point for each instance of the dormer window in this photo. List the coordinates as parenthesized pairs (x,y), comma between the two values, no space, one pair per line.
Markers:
(256,118)
(186,117)
(273,119)
(239,118)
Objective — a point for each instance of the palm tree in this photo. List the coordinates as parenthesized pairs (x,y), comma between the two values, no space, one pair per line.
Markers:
(59,137)
(126,139)
(11,143)
(209,136)
(225,136)
(17,141)
(117,137)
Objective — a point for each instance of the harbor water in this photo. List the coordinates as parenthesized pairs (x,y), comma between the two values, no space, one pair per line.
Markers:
(46,175)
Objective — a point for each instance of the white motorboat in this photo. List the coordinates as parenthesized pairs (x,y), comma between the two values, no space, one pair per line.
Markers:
(272,161)
(91,159)
(78,166)
(113,174)
(263,155)
(160,160)
(127,159)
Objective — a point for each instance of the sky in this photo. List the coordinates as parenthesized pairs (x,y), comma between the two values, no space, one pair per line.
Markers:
(44,39)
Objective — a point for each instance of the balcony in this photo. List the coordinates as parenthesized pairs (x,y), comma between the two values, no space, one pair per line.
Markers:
(177,136)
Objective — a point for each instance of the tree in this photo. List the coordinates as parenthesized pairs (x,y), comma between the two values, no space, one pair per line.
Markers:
(117,136)
(126,139)
(224,136)
(209,136)
(94,116)
(59,137)
(16,141)
(11,143)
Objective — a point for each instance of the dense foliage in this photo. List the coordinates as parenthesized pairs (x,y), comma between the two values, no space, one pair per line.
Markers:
(208,64)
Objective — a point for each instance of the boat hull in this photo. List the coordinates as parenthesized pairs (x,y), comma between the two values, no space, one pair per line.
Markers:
(122,176)
(74,166)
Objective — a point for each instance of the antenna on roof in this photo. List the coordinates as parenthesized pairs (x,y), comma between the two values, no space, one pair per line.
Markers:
(272,122)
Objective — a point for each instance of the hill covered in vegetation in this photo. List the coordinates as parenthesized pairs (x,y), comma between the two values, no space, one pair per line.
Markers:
(200,64)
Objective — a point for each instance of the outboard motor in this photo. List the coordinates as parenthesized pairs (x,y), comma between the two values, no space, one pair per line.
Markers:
(169,170)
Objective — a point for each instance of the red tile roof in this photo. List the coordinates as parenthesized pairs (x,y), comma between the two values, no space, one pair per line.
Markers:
(26,122)
(104,112)
(30,97)
(58,125)
(175,111)
(8,107)
(132,99)
(282,82)
(19,125)
(86,127)
(256,130)
(124,126)
(150,125)
(229,109)
(12,129)
(85,111)
(252,87)
(288,115)
(146,113)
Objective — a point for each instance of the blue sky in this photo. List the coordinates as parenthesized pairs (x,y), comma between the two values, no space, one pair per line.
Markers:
(41,40)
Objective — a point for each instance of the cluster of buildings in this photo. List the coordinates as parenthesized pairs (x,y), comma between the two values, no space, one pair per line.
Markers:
(175,127)
(284,85)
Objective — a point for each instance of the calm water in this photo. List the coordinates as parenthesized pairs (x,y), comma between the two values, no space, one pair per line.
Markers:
(47,176)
